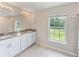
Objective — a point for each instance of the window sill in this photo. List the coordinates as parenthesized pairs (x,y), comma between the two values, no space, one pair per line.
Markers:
(59,42)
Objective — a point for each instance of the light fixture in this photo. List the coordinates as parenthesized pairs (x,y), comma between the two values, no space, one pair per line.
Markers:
(7,10)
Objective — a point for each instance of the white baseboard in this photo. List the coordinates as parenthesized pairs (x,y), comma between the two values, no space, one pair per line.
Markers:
(71,54)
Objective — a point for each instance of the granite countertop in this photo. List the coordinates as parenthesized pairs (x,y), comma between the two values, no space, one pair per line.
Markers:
(8,35)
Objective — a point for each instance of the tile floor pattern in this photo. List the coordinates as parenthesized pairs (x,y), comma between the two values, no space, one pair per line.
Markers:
(40,51)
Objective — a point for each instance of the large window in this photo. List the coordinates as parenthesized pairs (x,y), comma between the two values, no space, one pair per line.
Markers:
(57,28)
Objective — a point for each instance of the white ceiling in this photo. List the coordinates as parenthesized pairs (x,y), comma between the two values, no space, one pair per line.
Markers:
(35,6)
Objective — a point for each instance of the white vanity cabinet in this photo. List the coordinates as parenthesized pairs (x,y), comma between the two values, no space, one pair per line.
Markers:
(31,38)
(10,47)
(27,39)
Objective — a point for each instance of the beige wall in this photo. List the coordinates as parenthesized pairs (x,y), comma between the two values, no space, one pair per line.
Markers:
(25,22)
(6,24)
(40,22)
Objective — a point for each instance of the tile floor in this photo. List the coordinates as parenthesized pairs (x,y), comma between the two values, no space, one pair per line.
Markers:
(40,51)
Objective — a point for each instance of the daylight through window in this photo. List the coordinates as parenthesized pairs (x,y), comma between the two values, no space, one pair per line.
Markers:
(57,28)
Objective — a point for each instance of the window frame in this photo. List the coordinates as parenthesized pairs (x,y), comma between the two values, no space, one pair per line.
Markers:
(57,41)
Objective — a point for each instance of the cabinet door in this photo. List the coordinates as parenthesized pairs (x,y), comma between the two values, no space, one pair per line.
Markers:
(14,46)
(29,38)
(3,48)
(33,37)
(23,42)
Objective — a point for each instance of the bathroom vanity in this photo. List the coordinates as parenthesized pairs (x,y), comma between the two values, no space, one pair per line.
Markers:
(14,43)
